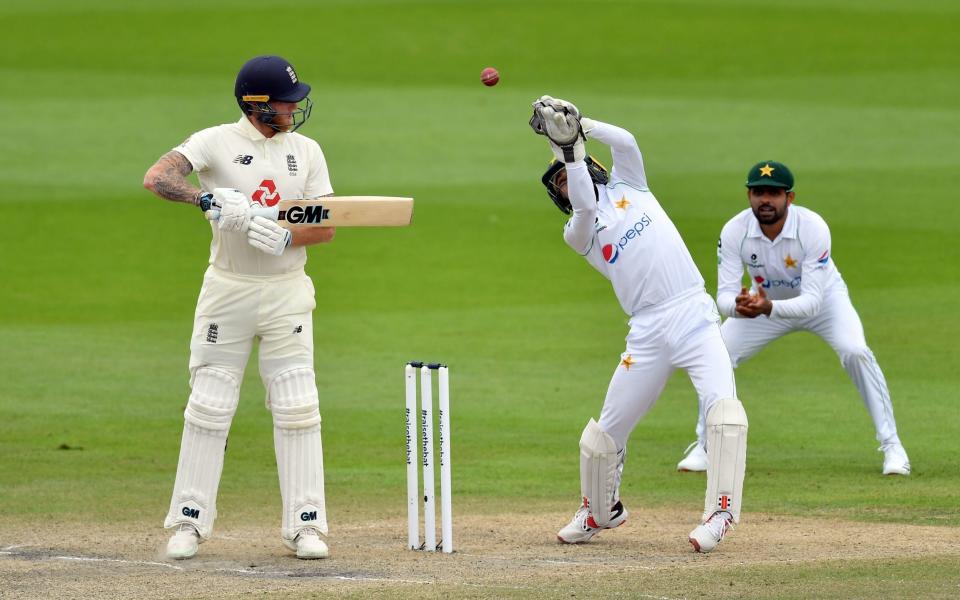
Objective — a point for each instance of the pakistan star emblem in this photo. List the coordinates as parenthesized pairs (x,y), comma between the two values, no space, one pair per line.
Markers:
(789,262)
(627,361)
(766,170)
(622,203)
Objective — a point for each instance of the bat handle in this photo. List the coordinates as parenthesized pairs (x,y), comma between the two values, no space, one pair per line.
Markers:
(272,213)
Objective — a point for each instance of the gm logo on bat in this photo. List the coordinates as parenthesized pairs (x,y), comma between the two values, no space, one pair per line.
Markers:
(300,215)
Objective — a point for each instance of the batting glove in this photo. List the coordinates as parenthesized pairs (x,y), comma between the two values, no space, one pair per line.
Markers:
(234,209)
(267,236)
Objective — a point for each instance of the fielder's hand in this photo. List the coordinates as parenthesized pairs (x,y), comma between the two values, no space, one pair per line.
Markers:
(234,209)
(751,306)
(268,237)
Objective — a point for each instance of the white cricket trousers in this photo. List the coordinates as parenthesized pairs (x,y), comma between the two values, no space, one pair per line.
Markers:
(234,310)
(839,325)
(683,333)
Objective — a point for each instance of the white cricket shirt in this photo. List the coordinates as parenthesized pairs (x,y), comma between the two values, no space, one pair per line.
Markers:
(624,233)
(795,270)
(287,166)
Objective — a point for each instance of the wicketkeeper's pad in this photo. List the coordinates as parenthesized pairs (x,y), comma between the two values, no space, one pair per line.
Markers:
(598,471)
(726,457)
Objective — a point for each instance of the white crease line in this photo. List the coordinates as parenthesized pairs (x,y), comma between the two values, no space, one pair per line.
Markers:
(5,552)
(15,546)
(117,560)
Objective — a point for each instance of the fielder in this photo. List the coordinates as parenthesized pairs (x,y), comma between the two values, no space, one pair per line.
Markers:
(618,226)
(254,288)
(795,286)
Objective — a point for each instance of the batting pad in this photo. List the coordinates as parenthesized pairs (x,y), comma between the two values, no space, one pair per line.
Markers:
(726,457)
(598,471)
(296,439)
(213,400)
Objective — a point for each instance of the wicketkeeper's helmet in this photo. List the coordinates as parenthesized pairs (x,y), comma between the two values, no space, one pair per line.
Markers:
(271,78)
(598,173)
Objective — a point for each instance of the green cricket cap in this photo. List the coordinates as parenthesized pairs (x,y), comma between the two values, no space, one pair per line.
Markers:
(770,173)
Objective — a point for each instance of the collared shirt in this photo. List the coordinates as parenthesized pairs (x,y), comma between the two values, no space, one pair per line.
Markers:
(287,166)
(795,270)
(624,233)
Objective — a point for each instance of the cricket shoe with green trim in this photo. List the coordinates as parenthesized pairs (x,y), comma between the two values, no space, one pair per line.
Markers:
(583,527)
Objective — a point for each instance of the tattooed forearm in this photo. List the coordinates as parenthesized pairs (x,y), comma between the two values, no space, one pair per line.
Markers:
(167,178)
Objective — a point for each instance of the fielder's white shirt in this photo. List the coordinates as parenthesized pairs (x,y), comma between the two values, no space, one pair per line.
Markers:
(625,233)
(287,166)
(795,270)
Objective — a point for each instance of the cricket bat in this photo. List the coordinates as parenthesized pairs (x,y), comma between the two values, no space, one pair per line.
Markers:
(338,211)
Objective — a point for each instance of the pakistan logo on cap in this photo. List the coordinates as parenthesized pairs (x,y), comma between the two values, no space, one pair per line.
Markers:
(770,173)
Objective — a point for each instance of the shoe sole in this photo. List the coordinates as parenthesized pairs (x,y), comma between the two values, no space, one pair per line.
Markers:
(695,544)
(679,470)
(181,556)
(563,541)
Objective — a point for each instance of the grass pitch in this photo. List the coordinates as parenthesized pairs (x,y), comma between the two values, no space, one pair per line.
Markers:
(100,278)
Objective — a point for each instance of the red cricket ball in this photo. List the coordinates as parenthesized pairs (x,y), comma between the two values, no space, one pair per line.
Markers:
(489,76)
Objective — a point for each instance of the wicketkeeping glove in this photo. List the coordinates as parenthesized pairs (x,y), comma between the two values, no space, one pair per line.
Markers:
(267,236)
(559,121)
(234,209)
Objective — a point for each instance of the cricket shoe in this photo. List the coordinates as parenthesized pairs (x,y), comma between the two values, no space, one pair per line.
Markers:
(895,461)
(583,527)
(706,536)
(695,459)
(183,543)
(308,545)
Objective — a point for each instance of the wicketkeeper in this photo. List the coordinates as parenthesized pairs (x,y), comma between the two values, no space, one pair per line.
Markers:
(254,289)
(619,227)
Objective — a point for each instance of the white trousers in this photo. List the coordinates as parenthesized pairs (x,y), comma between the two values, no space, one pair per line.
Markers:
(683,334)
(839,325)
(234,310)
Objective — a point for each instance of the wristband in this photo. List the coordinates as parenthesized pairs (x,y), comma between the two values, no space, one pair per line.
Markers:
(205,201)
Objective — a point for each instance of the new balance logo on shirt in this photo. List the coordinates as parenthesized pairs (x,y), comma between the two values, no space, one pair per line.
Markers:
(243,159)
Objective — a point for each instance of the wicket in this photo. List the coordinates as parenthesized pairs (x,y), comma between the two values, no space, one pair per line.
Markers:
(426,458)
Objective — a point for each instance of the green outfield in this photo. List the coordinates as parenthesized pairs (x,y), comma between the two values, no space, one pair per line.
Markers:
(100,277)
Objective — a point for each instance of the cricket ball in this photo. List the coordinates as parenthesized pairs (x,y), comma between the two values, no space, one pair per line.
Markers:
(489,76)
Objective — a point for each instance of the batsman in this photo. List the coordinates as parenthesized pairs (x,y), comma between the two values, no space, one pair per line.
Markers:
(619,227)
(255,288)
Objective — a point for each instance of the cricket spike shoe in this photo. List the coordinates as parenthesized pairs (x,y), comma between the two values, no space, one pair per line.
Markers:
(583,527)
(895,461)
(695,459)
(308,545)
(706,536)
(183,543)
